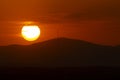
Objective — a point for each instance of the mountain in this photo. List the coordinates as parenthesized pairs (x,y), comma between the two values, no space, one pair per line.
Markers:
(60,52)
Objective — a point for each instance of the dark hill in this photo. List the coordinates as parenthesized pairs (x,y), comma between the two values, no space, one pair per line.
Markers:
(61,52)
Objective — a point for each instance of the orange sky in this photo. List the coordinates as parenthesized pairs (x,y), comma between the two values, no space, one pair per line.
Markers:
(96,21)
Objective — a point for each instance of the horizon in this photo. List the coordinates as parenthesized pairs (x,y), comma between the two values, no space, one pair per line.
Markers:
(65,38)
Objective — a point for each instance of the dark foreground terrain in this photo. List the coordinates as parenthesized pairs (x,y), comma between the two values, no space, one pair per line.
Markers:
(59,59)
(28,73)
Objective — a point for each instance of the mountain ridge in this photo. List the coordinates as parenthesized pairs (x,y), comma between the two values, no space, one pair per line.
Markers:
(60,52)
(62,39)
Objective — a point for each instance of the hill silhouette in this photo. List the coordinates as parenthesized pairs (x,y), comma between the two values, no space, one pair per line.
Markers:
(60,52)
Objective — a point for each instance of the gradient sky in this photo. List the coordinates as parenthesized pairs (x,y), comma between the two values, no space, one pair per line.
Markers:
(96,21)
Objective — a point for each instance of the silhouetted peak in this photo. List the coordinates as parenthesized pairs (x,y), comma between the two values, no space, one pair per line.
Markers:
(61,40)
(60,52)
(65,42)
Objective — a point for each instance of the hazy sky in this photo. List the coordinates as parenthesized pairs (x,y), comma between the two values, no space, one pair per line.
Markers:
(96,21)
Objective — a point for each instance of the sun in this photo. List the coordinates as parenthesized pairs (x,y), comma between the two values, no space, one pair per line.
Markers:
(30,32)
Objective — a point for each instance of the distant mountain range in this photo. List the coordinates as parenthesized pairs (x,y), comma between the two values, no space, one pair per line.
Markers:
(60,52)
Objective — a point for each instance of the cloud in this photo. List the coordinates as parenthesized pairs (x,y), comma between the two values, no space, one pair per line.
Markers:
(59,11)
(96,12)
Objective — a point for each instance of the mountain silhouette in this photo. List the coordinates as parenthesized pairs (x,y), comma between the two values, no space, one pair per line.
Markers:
(60,52)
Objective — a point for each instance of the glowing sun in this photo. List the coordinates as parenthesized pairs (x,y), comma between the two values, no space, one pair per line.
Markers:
(30,32)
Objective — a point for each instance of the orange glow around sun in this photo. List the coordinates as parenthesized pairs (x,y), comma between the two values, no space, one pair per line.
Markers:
(30,32)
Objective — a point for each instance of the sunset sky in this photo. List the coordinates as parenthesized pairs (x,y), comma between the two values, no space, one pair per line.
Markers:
(96,21)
